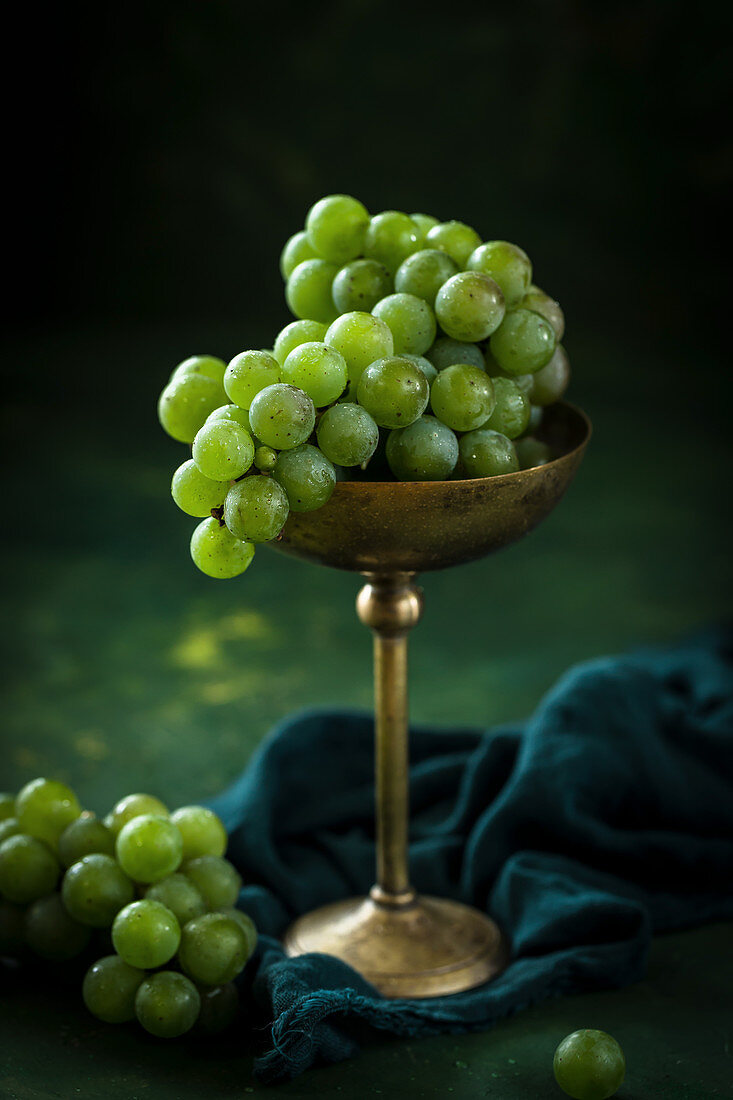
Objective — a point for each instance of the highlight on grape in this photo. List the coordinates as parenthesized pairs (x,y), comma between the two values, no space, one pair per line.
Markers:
(419,352)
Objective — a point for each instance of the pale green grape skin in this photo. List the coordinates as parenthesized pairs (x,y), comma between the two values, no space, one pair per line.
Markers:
(109,989)
(347,434)
(208,365)
(462,397)
(524,381)
(295,334)
(215,878)
(508,265)
(532,452)
(536,300)
(256,509)
(424,451)
(247,925)
(217,553)
(336,226)
(424,223)
(231,412)
(485,453)
(95,889)
(456,238)
(296,249)
(202,830)
(219,1006)
(424,364)
(410,320)
(390,238)
(194,493)
(146,934)
(51,933)
(360,285)
(133,805)
(308,478)
(9,826)
(423,273)
(7,805)
(149,848)
(178,894)
(247,374)
(446,351)
(550,382)
(523,343)
(536,414)
(393,391)
(308,291)
(589,1065)
(186,402)
(222,450)
(167,1004)
(214,949)
(84,837)
(470,306)
(44,807)
(282,416)
(318,370)
(265,459)
(511,412)
(12,929)
(28,869)
(360,338)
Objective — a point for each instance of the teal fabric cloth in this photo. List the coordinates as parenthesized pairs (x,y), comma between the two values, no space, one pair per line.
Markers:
(605,818)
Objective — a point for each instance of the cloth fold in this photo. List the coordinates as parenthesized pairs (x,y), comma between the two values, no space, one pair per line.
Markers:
(605,818)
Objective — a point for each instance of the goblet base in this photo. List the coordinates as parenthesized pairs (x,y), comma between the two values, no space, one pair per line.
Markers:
(405,945)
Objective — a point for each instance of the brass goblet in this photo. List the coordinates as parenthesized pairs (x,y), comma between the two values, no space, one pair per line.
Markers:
(405,944)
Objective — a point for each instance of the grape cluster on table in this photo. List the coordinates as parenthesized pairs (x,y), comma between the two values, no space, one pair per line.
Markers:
(419,352)
(148,888)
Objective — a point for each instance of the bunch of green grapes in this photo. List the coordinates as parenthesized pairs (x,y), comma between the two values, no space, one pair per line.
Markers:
(413,339)
(154,886)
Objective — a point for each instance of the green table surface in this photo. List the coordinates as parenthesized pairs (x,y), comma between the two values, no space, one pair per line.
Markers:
(126,670)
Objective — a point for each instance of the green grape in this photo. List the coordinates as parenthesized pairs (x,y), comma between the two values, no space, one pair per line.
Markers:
(146,934)
(109,989)
(247,925)
(167,1004)
(219,1006)
(216,879)
(51,932)
(360,338)
(28,869)
(308,291)
(308,478)
(10,826)
(536,413)
(390,238)
(214,949)
(424,364)
(455,238)
(536,300)
(423,273)
(207,365)
(202,831)
(297,249)
(445,352)
(523,343)
(178,894)
(186,402)
(318,370)
(282,416)
(360,285)
(256,509)
(83,837)
(532,452)
(589,1065)
(347,434)
(217,553)
(133,805)
(550,382)
(44,807)
(222,450)
(7,805)
(485,453)
(410,320)
(424,223)
(95,889)
(149,848)
(265,459)
(524,381)
(231,412)
(393,391)
(295,334)
(12,929)
(336,226)
(462,397)
(424,451)
(247,374)
(194,493)
(508,265)
(511,412)
(470,306)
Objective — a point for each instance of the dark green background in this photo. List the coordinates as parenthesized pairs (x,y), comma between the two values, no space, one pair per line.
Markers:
(160,154)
